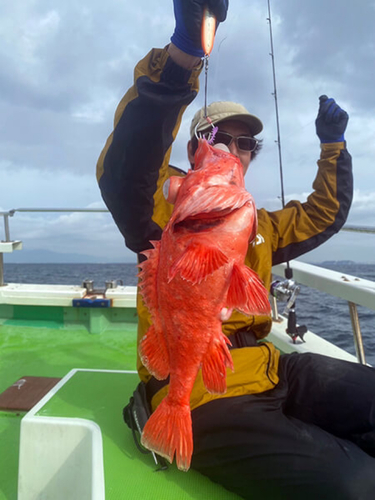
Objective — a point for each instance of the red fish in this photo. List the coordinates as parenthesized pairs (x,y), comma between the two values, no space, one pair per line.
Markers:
(192,280)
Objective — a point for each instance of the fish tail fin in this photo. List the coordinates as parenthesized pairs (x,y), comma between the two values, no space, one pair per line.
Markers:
(246,292)
(214,365)
(168,432)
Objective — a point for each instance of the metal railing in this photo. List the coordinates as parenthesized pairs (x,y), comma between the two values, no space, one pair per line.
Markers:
(356,291)
(6,216)
(10,213)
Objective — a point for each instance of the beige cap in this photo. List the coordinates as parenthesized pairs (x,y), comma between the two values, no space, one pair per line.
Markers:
(225,110)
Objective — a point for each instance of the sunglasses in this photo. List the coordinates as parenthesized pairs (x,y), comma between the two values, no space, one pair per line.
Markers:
(243,142)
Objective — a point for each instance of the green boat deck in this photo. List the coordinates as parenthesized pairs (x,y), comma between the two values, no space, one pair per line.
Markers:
(99,397)
(43,335)
(52,347)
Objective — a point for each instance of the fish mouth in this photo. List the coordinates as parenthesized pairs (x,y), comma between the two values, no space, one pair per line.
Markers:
(203,221)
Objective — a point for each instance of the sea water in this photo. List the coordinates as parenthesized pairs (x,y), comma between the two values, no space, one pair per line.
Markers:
(323,314)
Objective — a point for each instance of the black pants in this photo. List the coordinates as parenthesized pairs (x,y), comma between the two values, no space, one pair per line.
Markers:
(311,437)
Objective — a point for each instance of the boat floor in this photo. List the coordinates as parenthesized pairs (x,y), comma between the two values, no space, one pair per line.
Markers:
(99,397)
(51,349)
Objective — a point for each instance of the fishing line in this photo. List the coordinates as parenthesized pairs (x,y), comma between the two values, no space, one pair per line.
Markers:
(205,83)
(207,39)
(217,66)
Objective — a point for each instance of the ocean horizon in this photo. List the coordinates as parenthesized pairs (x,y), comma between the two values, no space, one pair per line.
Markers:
(323,314)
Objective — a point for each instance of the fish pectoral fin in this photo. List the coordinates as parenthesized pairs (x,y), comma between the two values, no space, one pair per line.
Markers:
(247,293)
(214,365)
(197,261)
(154,353)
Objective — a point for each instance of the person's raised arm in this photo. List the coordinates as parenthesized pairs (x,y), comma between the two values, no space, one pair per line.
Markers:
(301,227)
(182,58)
(134,163)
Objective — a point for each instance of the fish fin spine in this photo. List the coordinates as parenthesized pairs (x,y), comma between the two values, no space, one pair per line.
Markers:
(214,365)
(197,262)
(148,276)
(246,292)
(154,354)
(168,432)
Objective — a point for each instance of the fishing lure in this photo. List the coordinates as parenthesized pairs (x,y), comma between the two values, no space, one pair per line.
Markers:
(207,39)
(208,31)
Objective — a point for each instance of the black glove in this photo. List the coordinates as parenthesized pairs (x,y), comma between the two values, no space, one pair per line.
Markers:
(331,121)
(189,15)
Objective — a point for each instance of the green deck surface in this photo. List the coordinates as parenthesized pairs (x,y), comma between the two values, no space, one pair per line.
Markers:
(51,350)
(47,347)
(128,474)
(9,444)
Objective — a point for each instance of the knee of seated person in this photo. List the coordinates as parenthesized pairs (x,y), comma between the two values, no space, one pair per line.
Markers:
(357,483)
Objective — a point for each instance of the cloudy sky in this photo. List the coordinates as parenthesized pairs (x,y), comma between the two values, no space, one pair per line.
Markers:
(65,65)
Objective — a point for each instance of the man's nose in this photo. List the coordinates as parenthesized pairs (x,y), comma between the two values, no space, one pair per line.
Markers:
(234,149)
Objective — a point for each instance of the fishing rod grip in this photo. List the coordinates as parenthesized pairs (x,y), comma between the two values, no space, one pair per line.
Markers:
(208,31)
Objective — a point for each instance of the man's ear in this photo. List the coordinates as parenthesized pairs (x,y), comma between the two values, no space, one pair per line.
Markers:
(190,154)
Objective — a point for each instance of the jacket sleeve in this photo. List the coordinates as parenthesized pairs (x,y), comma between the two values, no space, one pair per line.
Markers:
(301,227)
(134,163)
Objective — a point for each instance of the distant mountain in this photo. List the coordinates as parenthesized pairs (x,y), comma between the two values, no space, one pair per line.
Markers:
(327,263)
(48,257)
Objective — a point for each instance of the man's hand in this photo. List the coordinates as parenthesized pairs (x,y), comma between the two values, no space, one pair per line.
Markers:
(331,121)
(189,15)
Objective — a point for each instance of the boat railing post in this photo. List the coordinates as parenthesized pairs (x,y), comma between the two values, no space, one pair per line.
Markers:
(6,227)
(1,269)
(7,245)
(275,311)
(7,238)
(358,341)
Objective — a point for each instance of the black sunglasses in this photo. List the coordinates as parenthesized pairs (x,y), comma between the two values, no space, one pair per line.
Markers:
(244,142)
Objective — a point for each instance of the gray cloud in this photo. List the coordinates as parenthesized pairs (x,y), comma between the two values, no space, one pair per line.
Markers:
(333,40)
(64,66)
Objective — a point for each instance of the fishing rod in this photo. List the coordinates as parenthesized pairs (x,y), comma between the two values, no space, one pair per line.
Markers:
(274,93)
(286,290)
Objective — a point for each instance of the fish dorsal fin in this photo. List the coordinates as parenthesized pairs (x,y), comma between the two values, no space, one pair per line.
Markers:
(197,262)
(147,275)
(246,292)
(153,349)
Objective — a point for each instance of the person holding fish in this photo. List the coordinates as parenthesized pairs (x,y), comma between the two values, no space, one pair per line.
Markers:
(224,401)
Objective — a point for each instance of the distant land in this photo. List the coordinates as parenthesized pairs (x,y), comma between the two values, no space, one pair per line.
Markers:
(49,257)
(336,262)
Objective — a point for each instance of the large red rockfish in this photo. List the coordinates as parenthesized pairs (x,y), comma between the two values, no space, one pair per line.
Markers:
(192,280)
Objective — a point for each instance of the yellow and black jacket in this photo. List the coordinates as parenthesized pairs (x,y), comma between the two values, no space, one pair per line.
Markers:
(133,167)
